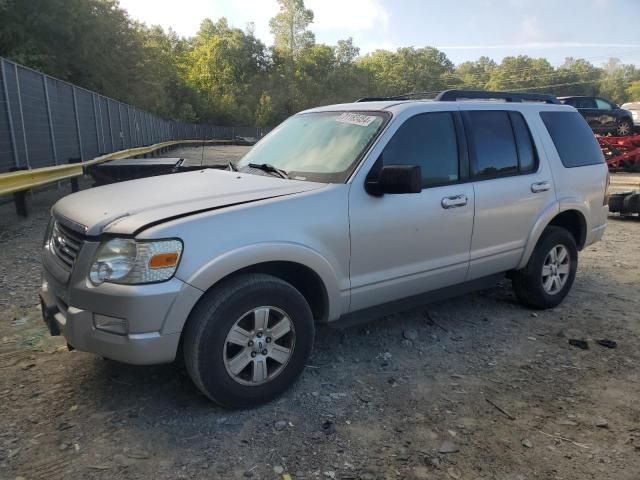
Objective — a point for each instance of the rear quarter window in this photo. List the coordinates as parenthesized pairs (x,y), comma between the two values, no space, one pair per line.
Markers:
(575,142)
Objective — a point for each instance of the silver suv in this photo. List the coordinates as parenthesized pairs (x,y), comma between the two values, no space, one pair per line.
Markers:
(341,211)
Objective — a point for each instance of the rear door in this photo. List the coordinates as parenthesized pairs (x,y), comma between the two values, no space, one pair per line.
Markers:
(512,187)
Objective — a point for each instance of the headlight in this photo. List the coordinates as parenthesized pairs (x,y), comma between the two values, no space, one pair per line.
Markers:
(124,260)
(47,232)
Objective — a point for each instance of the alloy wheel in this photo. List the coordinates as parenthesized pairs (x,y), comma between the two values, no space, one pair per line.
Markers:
(555,269)
(624,129)
(259,346)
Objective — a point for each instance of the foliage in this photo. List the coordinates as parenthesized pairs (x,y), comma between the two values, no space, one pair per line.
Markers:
(227,76)
(289,28)
(633,92)
(223,65)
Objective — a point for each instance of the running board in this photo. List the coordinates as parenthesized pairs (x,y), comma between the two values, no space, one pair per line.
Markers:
(372,313)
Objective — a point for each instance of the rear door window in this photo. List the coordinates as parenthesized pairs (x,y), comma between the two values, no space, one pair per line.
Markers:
(527,156)
(494,151)
(603,105)
(573,139)
(500,144)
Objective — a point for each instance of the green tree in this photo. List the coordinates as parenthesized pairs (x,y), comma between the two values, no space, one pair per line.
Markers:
(577,77)
(407,70)
(475,74)
(346,52)
(316,62)
(225,75)
(89,42)
(265,114)
(291,37)
(633,91)
(522,73)
(616,80)
(289,28)
(224,65)
(94,44)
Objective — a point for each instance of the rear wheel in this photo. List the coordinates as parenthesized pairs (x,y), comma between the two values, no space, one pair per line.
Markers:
(624,128)
(248,340)
(549,274)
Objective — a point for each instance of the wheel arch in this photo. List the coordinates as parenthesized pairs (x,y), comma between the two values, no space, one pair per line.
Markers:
(302,267)
(301,277)
(575,222)
(571,218)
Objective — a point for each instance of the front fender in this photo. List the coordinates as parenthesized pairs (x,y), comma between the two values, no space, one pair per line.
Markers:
(230,262)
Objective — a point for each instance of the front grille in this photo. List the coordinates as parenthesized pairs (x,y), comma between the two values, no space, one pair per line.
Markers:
(65,245)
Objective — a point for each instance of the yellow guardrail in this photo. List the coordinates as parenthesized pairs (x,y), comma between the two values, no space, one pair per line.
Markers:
(26,179)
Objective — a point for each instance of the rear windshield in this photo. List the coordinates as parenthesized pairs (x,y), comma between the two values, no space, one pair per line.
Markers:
(575,142)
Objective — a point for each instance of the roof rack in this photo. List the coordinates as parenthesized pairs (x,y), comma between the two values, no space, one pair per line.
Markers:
(373,99)
(404,96)
(455,95)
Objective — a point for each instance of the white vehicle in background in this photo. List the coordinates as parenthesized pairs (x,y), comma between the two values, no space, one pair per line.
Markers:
(634,108)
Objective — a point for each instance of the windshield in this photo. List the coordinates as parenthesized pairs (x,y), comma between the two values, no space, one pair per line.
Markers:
(319,147)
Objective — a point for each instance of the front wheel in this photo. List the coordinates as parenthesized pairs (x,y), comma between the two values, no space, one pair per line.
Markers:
(549,274)
(248,340)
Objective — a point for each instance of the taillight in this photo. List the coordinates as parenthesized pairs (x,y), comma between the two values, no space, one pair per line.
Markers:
(606,190)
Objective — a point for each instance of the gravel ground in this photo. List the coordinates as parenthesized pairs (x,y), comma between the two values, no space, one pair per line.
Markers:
(472,388)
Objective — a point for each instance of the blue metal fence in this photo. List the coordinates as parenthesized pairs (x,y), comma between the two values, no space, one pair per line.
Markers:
(45,121)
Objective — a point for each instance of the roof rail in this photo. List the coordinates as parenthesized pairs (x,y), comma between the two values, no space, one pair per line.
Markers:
(373,99)
(455,95)
(382,99)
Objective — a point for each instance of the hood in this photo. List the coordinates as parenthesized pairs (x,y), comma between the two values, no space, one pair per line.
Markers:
(127,207)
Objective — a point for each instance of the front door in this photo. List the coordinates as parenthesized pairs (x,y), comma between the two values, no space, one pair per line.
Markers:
(406,244)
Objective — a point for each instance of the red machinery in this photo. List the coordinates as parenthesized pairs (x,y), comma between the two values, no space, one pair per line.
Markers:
(621,153)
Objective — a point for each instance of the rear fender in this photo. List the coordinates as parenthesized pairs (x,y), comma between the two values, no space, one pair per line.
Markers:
(565,204)
(543,220)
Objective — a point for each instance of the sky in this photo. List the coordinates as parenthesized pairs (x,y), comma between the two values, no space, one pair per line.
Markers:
(463,29)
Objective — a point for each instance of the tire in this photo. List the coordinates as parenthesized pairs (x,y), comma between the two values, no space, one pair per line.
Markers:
(631,203)
(529,283)
(241,302)
(616,201)
(624,128)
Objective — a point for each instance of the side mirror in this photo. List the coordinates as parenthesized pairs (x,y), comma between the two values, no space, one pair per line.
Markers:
(396,179)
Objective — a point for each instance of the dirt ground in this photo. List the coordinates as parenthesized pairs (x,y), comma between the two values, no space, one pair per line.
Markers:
(471,388)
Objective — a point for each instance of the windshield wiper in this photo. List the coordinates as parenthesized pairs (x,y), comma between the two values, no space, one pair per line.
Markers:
(232,167)
(267,167)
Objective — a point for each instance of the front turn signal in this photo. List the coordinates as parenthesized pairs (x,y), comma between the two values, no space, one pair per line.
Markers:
(164,260)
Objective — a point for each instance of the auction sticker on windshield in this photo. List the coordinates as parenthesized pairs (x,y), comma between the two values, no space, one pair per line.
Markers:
(356,119)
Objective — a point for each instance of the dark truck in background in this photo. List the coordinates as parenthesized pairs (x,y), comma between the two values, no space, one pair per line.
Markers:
(602,115)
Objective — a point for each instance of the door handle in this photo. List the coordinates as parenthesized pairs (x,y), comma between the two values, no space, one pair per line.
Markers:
(454,201)
(540,187)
